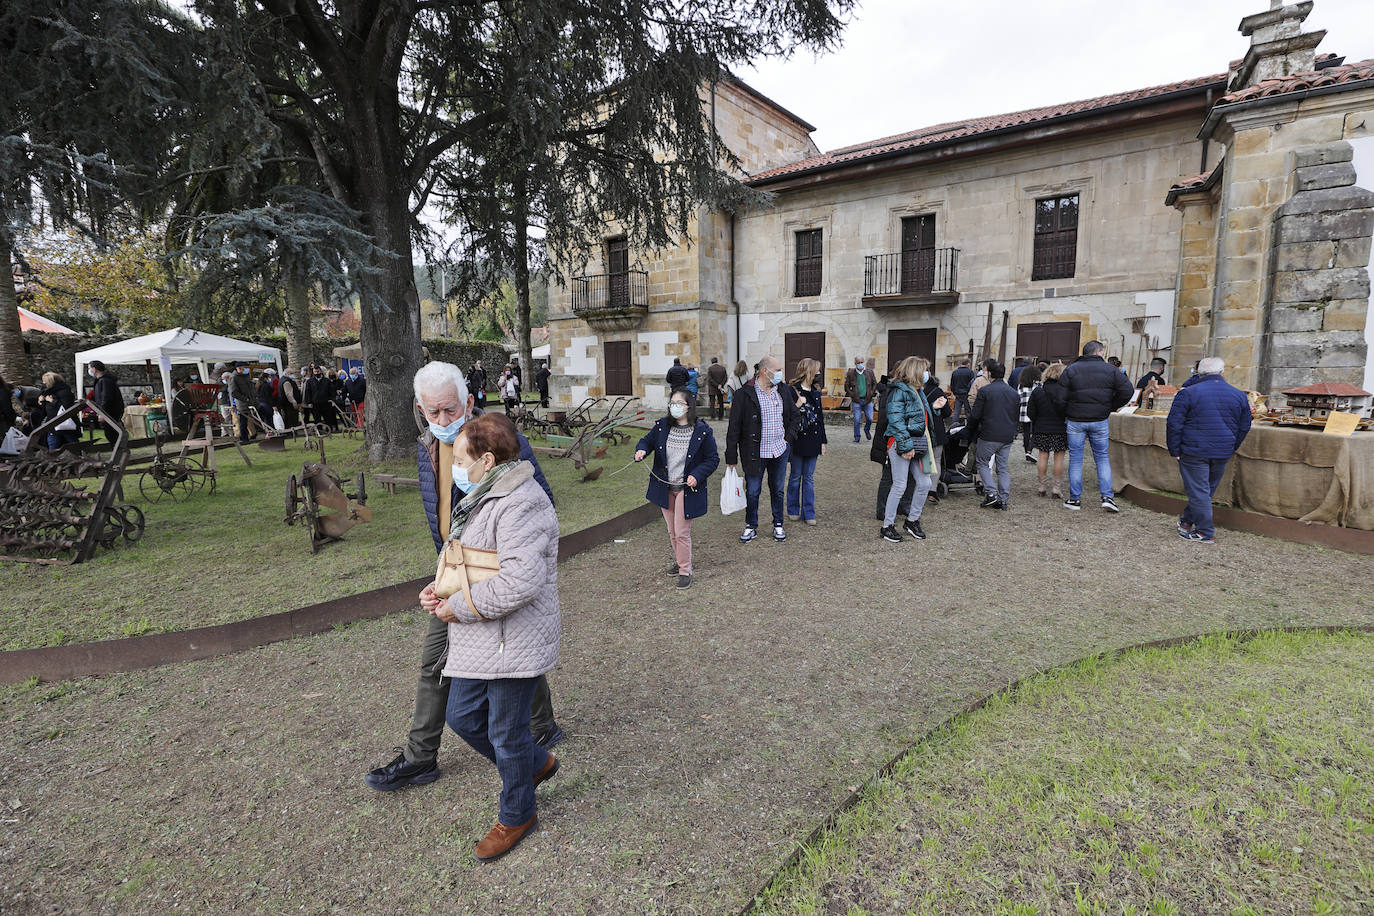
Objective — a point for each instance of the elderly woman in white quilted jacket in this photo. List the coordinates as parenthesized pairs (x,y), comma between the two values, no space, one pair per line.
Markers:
(507,635)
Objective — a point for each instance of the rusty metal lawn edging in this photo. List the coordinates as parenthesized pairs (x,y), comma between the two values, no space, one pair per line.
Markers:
(1351,540)
(55,663)
(832,820)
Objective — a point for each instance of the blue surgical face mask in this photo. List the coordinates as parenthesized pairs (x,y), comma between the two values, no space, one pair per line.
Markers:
(925,376)
(446,434)
(461,479)
(777,377)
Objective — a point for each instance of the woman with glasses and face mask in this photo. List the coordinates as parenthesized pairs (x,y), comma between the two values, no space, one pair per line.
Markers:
(684,450)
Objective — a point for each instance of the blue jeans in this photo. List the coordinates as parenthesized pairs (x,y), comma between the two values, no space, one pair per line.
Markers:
(493,717)
(776,468)
(1201,477)
(1096,435)
(801,486)
(862,413)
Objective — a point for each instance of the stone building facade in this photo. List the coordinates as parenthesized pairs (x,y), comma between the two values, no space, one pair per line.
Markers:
(1029,234)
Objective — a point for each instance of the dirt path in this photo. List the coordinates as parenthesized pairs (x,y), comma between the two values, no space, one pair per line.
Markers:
(709,730)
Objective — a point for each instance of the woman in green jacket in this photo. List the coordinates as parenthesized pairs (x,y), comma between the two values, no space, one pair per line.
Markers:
(908,435)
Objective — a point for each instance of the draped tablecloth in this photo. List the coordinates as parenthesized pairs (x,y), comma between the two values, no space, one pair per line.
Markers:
(1283,471)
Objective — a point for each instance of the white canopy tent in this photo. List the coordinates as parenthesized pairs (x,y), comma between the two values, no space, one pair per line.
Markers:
(178,346)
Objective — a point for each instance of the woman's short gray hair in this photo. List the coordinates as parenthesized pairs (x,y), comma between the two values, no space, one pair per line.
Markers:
(1212,365)
(437,377)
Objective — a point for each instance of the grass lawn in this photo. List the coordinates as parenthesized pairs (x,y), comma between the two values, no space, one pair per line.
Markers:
(213,559)
(1224,777)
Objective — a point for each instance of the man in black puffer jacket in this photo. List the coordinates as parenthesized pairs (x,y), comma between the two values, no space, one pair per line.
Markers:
(996,417)
(1089,391)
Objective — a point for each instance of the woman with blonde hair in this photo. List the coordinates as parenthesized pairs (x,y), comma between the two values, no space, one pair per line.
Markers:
(909,446)
(809,445)
(56,397)
(1049,431)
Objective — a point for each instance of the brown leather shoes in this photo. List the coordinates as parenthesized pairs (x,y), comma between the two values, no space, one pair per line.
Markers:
(549,770)
(502,839)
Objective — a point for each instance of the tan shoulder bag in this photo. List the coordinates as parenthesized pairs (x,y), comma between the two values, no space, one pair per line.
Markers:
(462,567)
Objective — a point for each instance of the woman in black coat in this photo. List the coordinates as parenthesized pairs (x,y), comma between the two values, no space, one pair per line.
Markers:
(940,410)
(685,455)
(56,397)
(1049,431)
(809,445)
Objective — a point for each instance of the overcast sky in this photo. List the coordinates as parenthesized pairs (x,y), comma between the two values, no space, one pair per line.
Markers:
(906,64)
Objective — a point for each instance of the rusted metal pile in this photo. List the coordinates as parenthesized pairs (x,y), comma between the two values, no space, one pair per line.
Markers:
(47,517)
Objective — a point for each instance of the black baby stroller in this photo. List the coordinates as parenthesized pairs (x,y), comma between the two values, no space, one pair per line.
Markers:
(952,475)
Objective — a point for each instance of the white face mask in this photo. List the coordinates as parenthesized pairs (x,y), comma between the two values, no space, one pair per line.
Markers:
(925,376)
(677,410)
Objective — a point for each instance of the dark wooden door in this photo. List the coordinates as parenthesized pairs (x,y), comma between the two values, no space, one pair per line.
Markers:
(797,347)
(618,269)
(918,253)
(910,342)
(1049,340)
(619,379)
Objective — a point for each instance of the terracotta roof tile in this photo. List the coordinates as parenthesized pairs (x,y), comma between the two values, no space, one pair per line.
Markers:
(1298,82)
(1337,389)
(1192,184)
(958,130)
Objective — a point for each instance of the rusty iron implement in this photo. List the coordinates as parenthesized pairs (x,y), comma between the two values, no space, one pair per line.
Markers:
(46,516)
(318,499)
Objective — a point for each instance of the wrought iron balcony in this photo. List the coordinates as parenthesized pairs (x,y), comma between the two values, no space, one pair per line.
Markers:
(612,302)
(923,276)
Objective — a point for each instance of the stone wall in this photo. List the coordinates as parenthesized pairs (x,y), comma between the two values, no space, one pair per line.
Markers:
(1319,279)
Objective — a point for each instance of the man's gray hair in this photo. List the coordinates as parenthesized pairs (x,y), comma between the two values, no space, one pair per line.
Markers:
(1212,365)
(436,377)
(1094,348)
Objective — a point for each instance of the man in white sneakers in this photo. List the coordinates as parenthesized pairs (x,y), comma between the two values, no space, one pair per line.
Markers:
(763,424)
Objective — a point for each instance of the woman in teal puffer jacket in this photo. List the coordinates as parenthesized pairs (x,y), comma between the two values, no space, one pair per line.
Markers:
(908,431)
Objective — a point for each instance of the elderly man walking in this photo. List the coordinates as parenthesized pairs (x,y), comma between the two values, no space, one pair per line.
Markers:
(764,420)
(442,399)
(1089,390)
(1208,421)
(861,387)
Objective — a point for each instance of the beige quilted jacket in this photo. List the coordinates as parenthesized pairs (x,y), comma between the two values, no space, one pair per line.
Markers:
(519,627)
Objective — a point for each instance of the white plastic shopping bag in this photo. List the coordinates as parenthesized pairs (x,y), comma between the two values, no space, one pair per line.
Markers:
(731,492)
(14,442)
(277,421)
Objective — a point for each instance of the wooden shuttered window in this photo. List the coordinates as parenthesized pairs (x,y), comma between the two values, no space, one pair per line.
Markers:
(619,378)
(808,274)
(1056,237)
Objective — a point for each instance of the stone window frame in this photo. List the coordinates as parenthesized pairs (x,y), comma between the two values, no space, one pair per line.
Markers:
(788,266)
(1027,195)
(939,206)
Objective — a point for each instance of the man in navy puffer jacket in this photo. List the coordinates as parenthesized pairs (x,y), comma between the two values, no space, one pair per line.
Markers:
(1208,421)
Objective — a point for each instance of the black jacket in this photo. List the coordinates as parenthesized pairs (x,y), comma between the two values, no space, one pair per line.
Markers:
(961,381)
(1046,416)
(265,395)
(996,413)
(541,379)
(356,388)
(477,383)
(8,417)
(933,393)
(811,431)
(745,433)
(107,396)
(1091,389)
(677,377)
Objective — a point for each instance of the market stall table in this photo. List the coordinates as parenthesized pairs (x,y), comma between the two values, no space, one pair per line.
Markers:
(1290,473)
(140,420)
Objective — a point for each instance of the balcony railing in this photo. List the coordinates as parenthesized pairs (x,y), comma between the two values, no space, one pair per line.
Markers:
(915,277)
(614,301)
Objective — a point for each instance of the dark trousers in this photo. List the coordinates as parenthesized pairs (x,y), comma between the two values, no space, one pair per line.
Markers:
(290,416)
(431,699)
(885,487)
(1026,437)
(544,396)
(1201,477)
(245,431)
(493,717)
(325,413)
(111,432)
(717,398)
(776,469)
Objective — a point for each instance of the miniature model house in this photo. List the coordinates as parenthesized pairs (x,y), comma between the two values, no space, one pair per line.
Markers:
(1318,401)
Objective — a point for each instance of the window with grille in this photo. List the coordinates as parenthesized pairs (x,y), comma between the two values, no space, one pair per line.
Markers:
(808,281)
(1056,237)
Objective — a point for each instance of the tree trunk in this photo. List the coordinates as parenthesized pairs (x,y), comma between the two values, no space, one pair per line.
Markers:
(14,363)
(298,347)
(522,287)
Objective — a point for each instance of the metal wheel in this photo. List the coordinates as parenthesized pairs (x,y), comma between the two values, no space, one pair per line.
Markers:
(133,523)
(148,484)
(292,499)
(195,473)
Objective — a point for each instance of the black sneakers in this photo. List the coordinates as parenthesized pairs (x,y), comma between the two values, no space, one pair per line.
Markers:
(989,502)
(891,535)
(1073,504)
(1109,504)
(400,773)
(684,582)
(914,529)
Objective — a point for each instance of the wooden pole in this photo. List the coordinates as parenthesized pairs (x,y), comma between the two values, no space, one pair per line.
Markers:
(987,334)
(1002,345)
